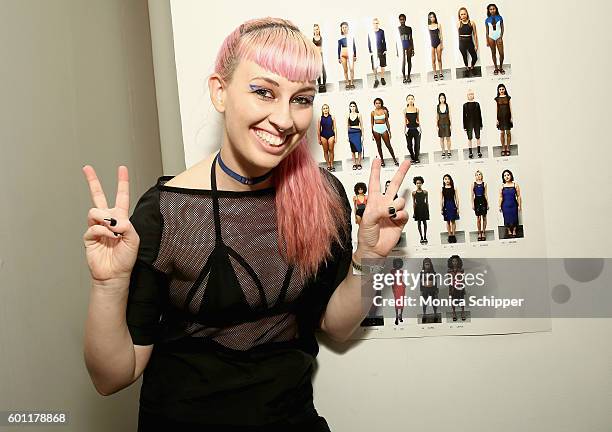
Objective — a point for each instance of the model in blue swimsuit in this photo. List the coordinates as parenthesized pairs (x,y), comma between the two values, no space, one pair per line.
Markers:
(495,37)
(327,136)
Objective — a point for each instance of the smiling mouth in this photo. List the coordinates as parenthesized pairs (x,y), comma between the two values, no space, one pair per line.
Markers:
(268,138)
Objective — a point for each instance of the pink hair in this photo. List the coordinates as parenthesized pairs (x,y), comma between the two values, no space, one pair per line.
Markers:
(306,227)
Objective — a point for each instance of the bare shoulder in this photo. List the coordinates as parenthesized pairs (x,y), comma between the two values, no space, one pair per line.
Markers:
(195,177)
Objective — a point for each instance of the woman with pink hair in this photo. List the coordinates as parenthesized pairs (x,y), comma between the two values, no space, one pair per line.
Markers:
(215,285)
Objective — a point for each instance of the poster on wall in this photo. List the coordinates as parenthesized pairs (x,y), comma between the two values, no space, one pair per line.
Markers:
(444,87)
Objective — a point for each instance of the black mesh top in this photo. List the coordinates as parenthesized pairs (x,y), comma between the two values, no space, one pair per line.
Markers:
(232,324)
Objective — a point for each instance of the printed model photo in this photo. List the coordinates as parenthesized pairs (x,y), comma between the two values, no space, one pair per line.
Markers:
(468,45)
(510,204)
(504,119)
(326,129)
(381,130)
(344,58)
(398,289)
(449,202)
(480,205)
(494,25)
(443,121)
(472,123)
(317,39)
(456,288)
(413,129)
(377,47)
(355,134)
(407,48)
(360,200)
(429,292)
(420,208)
(437,45)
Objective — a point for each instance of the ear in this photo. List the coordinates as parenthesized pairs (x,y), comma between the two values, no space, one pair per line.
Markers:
(217,90)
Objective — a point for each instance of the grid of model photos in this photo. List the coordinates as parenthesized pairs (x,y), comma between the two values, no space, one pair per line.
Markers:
(455,125)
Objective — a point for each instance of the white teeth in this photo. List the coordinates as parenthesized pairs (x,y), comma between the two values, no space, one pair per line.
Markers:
(273,140)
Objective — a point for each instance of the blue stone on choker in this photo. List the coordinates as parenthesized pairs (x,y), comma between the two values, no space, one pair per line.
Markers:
(244,180)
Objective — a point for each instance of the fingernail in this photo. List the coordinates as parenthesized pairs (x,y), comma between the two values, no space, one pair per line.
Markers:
(393,216)
(116,234)
(112,221)
(392,210)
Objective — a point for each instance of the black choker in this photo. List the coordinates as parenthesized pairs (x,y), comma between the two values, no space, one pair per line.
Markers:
(238,177)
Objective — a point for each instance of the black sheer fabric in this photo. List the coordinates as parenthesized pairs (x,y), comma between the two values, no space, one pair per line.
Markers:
(233,325)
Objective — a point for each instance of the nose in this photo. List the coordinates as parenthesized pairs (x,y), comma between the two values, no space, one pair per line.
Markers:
(281,117)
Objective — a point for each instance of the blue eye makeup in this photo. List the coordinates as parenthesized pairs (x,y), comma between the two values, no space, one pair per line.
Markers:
(304,100)
(261,91)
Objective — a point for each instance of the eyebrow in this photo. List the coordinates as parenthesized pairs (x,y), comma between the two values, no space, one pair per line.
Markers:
(269,80)
(274,83)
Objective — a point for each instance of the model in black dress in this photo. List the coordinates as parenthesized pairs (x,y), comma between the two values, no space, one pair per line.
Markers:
(480,204)
(420,200)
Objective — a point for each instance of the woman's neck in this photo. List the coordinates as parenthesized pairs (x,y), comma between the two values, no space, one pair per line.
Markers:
(241,167)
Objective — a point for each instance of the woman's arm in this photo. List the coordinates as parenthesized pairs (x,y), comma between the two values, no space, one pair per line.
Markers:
(372,121)
(473,197)
(334,126)
(473,24)
(441,38)
(510,109)
(501,197)
(418,119)
(486,195)
(519,198)
(457,200)
(502,28)
(112,360)
(319,130)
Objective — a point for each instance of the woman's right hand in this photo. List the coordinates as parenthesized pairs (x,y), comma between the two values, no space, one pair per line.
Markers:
(111,242)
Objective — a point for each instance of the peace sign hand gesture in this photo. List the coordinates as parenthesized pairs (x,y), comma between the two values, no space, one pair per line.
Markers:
(384,217)
(111,242)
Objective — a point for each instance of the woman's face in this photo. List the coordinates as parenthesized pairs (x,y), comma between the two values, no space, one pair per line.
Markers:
(479,176)
(360,191)
(447,180)
(470,95)
(410,100)
(344,29)
(353,108)
(377,104)
(316,29)
(375,24)
(492,10)
(463,16)
(402,20)
(455,263)
(442,99)
(266,115)
(427,265)
(419,183)
(507,176)
(502,90)
(325,110)
(431,18)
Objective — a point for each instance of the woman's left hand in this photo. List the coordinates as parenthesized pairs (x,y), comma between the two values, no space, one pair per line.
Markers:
(384,217)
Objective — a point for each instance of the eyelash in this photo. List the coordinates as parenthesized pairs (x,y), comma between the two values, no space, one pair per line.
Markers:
(266,94)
